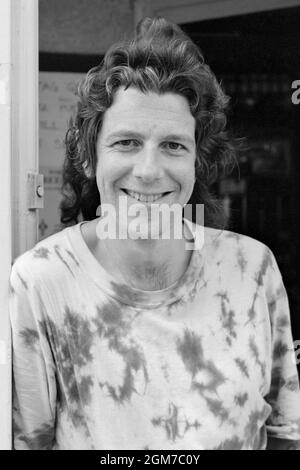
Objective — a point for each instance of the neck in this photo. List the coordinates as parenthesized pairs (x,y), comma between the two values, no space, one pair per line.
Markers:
(144,264)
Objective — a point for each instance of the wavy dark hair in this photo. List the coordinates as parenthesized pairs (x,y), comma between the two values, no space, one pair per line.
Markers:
(160,58)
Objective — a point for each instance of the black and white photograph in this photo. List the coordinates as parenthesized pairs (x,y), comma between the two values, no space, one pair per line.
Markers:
(150,235)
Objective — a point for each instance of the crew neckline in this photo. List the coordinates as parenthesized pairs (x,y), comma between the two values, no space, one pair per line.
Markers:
(130,295)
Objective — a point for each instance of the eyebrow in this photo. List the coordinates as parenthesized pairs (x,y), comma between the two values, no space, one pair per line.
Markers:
(134,134)
(181,137)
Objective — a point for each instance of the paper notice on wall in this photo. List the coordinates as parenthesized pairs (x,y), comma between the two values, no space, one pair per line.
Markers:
(57,103)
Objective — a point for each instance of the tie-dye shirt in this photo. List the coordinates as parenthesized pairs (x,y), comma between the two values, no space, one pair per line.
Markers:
(207,363)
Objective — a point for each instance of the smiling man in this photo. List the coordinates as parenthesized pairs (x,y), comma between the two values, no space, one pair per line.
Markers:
(146,152)
(137,342)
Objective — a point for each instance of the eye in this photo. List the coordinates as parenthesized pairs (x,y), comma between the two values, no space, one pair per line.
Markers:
(126,144)
(174,146)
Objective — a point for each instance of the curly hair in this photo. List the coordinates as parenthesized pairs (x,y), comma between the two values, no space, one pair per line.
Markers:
(160,58)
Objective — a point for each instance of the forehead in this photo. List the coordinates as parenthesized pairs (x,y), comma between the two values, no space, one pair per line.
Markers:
(132,108)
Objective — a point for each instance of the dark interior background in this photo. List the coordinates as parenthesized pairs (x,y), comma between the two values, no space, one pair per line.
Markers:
(257,57)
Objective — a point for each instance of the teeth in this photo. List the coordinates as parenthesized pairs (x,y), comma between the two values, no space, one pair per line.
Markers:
(144,197)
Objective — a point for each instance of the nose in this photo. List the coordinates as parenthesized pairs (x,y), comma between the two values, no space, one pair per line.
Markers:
(148,166)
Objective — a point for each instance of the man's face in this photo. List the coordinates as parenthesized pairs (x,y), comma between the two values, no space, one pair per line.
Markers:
(146,150)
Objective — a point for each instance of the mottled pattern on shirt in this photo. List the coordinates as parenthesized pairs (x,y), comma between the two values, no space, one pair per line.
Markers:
(112,325)
(205,364)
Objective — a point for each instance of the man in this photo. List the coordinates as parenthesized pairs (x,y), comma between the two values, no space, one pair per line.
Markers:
(136,341)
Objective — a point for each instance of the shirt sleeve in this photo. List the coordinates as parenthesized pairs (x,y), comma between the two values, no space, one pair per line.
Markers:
(34,386)
(284,394)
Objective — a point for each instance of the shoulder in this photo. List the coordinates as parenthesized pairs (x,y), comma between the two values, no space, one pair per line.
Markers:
(233,240)
(226,242)
(231,251)
(238,253)
(46,260)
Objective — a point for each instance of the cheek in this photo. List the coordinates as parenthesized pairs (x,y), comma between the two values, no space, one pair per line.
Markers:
(188,183)
(102,179)
(108,174)
(99,175)
(188,177)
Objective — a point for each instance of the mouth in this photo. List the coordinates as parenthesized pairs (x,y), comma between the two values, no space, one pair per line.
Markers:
(146,198)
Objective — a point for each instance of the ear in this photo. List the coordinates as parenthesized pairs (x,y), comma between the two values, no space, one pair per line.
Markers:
(87,170)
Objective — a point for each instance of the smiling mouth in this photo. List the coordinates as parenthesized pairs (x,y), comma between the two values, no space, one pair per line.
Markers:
(145,197)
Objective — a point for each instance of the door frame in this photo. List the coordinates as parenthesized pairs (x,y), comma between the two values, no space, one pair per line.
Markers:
(19,156)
